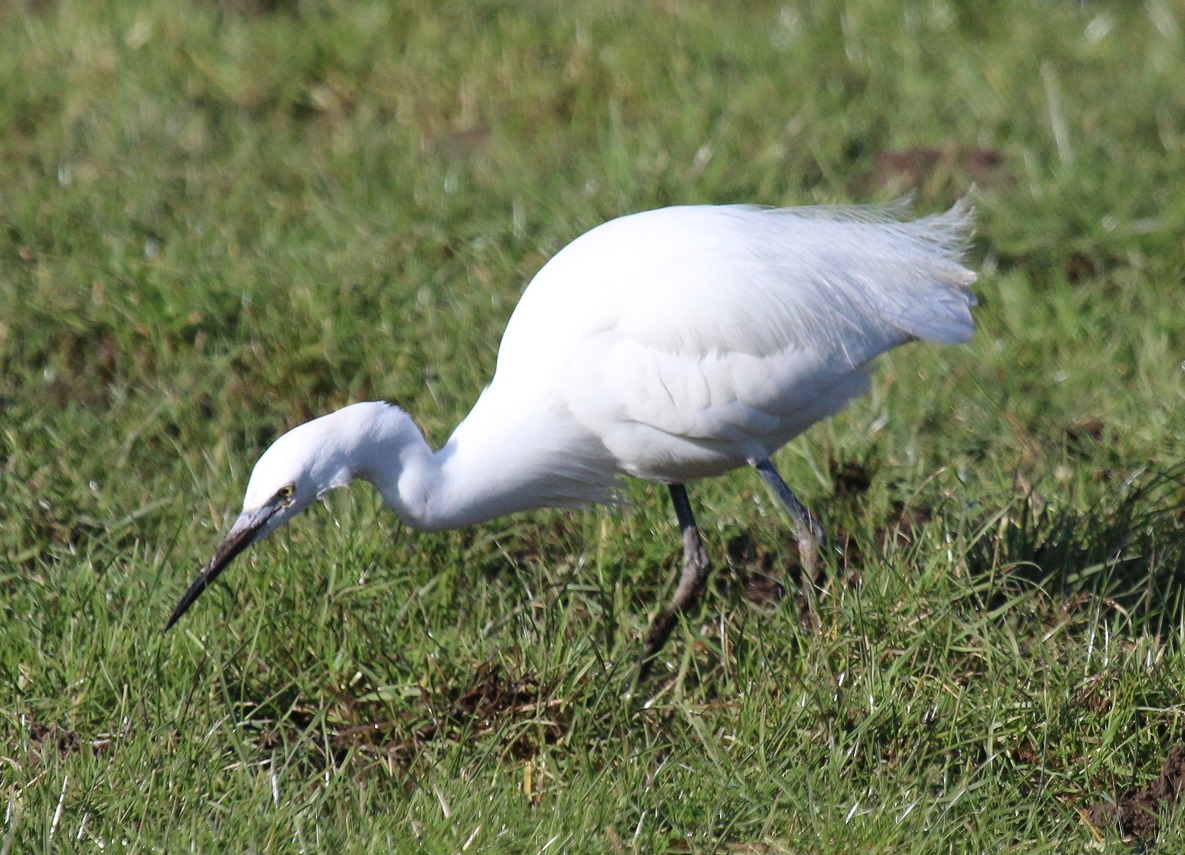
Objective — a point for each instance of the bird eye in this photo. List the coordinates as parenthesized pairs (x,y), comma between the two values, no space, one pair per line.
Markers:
(286,492)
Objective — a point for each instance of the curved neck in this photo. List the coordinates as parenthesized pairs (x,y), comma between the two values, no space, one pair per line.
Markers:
(489,468)
(382,445)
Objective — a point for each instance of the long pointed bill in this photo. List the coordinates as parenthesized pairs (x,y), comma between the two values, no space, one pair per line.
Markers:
(241,535)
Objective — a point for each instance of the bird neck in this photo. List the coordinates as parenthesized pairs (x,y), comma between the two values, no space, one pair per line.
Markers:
(473,478)
(386,448)
(492,465)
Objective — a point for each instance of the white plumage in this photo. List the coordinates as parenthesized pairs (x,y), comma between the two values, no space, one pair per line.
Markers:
(669,345)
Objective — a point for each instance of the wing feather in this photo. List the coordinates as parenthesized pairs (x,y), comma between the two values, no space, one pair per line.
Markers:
(728,330)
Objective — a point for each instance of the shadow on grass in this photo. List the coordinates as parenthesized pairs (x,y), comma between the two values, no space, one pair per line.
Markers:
(1127,551)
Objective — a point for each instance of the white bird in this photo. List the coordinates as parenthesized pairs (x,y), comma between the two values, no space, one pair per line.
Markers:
(669,345)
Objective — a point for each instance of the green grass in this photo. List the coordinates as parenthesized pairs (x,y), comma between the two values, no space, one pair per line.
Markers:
(220,219)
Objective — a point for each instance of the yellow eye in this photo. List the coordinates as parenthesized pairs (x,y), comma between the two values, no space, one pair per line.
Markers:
(286,492)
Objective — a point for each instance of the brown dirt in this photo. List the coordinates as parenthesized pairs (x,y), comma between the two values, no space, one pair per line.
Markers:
(1138,812)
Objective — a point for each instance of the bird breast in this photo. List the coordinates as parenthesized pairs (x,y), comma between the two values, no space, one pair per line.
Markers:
(675,418)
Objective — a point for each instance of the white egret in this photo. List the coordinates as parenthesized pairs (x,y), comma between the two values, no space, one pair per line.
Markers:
(669,345)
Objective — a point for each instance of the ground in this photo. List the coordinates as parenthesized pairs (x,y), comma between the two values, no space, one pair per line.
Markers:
(218,219)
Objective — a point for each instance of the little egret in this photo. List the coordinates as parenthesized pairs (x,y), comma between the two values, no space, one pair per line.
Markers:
(670,345)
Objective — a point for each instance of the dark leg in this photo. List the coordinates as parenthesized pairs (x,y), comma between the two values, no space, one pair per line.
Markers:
(806,527)
(696,567)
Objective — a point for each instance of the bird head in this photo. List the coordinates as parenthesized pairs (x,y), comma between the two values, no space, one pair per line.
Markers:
(298,468)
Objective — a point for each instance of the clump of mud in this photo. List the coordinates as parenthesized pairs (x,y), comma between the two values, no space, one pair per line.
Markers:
(1138,812)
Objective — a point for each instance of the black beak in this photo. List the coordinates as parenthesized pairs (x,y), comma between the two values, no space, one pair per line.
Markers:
(241,535)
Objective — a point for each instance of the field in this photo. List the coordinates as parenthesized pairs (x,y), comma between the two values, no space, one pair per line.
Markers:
(220,219)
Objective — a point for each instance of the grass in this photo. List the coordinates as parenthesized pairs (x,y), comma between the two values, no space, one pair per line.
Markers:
(220,219)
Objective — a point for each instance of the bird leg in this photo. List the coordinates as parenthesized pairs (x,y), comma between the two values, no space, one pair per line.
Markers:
(696,568)
(810,533)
